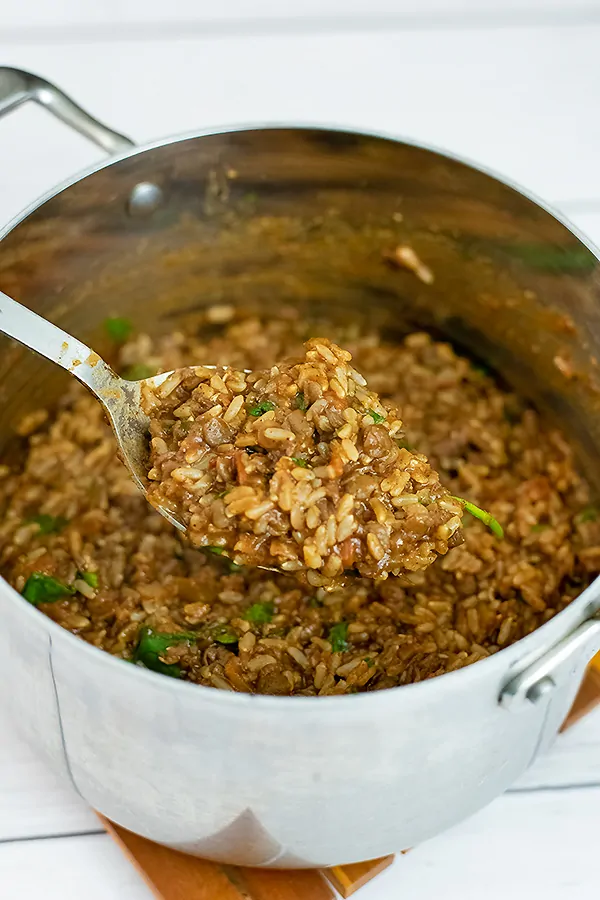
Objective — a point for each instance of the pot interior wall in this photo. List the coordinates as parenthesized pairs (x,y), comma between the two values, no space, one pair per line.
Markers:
(261,217)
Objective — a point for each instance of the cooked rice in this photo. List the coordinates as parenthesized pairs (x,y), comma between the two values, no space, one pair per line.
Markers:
(249,630)
(240,458)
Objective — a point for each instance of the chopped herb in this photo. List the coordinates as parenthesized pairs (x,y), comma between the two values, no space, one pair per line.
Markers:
(337,637)
(260,613)
(300,462)
(40,588)
(315,603)
(118,329)
(261,408)
(48,524)
(588,514)
(483,516)
(552,258)
(370,662)
(377,418)
(224,634)
(220,551)
(138,371)
(152,645)
(301,401)
(536,529)
(481,368)
(90,578)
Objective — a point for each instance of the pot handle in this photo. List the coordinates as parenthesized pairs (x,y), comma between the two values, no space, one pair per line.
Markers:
(537,681)
(17,87)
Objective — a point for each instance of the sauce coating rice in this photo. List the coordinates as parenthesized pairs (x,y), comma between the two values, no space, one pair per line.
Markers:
(298,467)
(84,546)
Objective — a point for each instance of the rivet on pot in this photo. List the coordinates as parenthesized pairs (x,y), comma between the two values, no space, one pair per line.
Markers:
(144,199)
(540,690)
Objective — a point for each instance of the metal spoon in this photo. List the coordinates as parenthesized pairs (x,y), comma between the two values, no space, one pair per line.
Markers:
(120,398)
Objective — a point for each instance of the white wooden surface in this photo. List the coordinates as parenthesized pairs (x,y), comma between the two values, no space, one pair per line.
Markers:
(514,84)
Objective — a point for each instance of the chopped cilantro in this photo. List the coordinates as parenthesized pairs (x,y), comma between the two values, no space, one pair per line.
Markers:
(337,637)
(261,408)
(90,578)
(224,634)
(300,462)
(370,662)
(221,551)
(40,588)
(118,329)
(481,368)
(552,258)
(588,514)
(48,524)
(260,613)
(138,371)
(483,516)
(377,417)
(301,401)
(152,645)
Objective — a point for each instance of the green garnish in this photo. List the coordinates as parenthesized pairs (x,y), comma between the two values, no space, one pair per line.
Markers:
(48,524)
(40,588)
(483,516)
(337,637)
(555,259)
(224,634)
(118,329)
(90,578)
(481,368)
(138,371)
(370,662)
(588,514)
(260,613)
(301,401)
(152,645)
(220,551)
(300,462)
(261,408)
(377,418)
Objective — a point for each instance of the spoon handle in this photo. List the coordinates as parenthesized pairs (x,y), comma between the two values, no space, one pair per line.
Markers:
(29,329)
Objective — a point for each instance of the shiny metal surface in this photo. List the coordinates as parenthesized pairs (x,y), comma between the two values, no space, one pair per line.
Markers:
(17,87)
(258,217)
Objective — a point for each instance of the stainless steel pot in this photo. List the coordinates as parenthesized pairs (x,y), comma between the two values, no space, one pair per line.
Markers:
(254,216)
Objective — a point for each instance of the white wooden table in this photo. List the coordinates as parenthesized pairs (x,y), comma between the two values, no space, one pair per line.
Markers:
(514,84)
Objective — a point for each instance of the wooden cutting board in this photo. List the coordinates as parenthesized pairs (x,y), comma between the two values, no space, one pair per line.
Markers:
(176,876)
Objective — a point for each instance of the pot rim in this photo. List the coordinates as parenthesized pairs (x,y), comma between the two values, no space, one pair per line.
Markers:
(585,604)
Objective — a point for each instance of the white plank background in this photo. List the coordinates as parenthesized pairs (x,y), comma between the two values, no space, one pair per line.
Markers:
(514,84)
